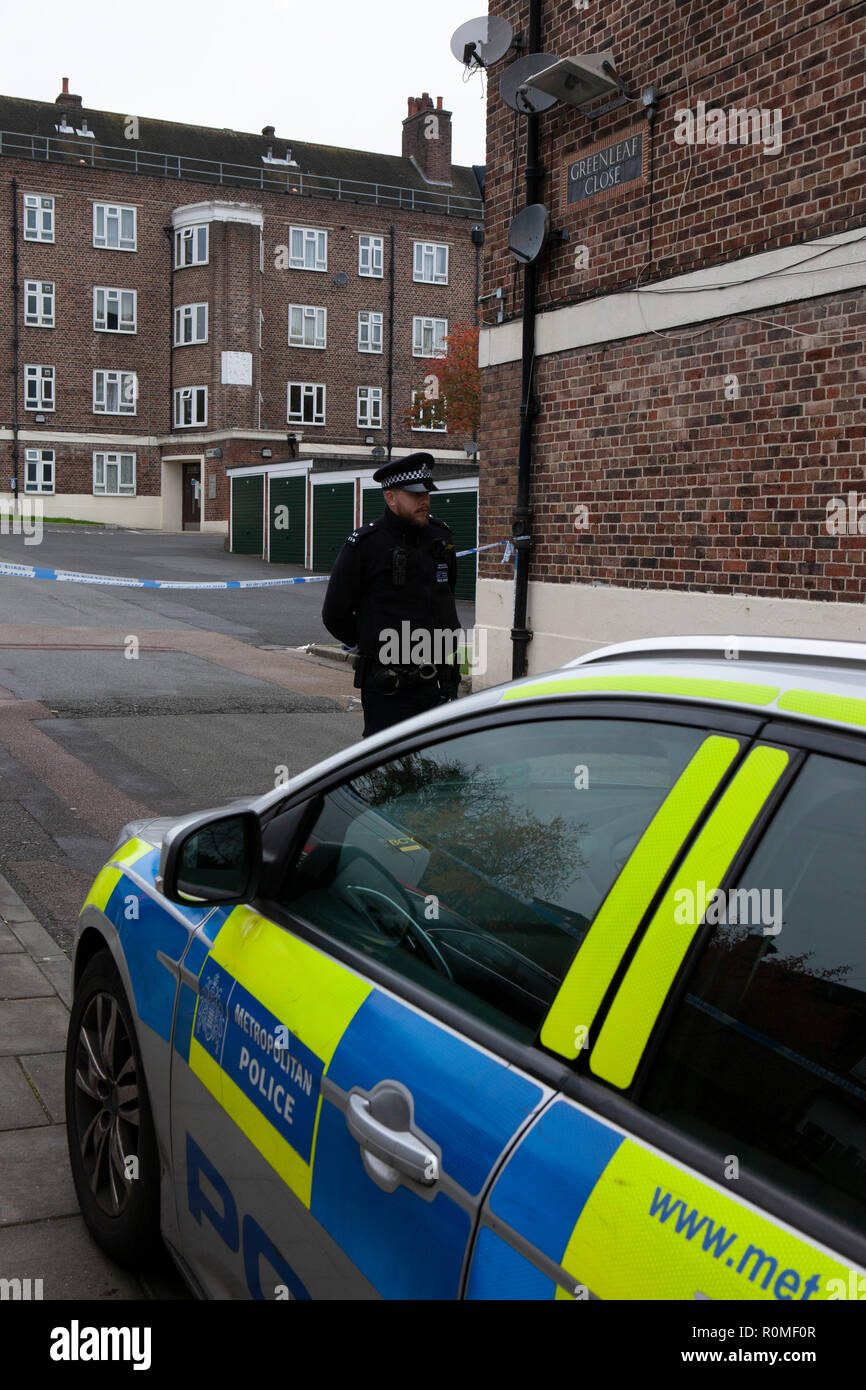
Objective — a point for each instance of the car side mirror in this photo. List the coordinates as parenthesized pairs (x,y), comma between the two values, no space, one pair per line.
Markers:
(212,859)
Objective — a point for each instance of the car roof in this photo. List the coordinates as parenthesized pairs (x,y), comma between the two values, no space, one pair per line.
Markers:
(806,680)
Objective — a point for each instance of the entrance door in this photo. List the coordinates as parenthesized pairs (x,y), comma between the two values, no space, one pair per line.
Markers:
(191,511)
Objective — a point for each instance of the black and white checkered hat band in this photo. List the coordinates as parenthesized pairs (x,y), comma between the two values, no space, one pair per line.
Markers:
(418,475)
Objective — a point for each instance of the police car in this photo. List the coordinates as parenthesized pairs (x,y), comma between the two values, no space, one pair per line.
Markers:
(558,992)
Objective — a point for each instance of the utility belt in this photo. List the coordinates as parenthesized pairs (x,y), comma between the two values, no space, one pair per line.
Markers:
(370,674)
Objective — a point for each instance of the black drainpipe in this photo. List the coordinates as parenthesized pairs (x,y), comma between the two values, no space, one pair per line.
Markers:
(16,290)
(391,347)
(520,634)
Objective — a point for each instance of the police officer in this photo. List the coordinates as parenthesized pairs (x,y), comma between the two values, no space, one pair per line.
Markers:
(391,594)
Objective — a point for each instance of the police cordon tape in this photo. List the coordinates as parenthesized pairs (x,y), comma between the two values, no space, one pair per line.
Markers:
(15,571)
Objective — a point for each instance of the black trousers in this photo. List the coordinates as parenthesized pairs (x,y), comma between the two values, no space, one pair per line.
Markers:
(381,711)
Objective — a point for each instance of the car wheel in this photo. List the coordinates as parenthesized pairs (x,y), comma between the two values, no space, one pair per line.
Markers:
(112,1143)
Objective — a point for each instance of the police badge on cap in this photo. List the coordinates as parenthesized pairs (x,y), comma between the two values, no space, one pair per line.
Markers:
(413,474)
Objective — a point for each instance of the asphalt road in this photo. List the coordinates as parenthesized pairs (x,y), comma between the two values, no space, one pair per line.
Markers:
(210,701)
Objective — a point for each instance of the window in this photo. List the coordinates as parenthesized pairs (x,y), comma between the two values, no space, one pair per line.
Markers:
(114,226)
(370,255)
(38,470)
(262,252)
(115,393)
(430,414)
(431,263)
(308,326)
(308,249)
(766,1054)
(428,337)
(38,387)
(190,246)
(369,331)
(38,218)
(39,303)
(261,327)
(306,404)
(114,475)
(370,407)
(190,406)
(190,324)
(474,867)
(114,311)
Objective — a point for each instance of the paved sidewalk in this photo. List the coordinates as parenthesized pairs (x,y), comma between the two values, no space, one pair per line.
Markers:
(42,1234)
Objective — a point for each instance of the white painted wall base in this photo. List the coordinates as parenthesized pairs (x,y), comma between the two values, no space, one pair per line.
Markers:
(221,528)
(570,619)
(144,512)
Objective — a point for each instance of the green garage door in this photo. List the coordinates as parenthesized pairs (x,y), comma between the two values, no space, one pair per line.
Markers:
(248,515)
(288,520)
(333,521)
(372,504)
(460,510)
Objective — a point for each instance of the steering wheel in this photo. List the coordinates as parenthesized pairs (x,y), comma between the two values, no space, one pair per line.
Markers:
(377,906)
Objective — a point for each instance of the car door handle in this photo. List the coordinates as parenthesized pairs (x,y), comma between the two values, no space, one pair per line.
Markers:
(394,1148)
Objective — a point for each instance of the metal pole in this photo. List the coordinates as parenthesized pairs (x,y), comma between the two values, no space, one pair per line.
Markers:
(520,634)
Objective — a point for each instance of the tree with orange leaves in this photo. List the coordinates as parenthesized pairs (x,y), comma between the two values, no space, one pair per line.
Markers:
(451,390)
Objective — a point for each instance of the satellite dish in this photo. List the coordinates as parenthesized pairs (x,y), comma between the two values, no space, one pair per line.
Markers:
(528,233)
(341,278)
(519,97)
(482,41)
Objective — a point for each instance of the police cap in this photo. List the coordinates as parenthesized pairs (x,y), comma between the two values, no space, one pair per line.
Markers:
(413,473)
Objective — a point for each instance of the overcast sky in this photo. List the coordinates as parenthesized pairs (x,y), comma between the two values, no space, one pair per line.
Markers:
(333,72)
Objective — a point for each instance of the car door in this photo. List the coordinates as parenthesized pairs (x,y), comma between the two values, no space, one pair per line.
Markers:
(364,1049)
(719,1107)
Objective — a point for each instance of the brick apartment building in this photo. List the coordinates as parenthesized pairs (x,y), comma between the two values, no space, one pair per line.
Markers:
(699,369)
(185,300)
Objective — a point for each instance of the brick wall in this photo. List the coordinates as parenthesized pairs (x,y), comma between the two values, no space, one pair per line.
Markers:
(687,483)
(712,203)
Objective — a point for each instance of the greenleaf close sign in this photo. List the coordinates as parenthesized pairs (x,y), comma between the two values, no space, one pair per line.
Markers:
(607,169)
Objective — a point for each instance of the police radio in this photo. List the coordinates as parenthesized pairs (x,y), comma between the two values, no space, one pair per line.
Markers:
(398,567)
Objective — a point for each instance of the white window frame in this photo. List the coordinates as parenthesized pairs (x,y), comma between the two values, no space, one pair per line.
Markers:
(371,256)
(103,460)
(113,216)
(428,429)
(315,237)
(126,384)
(307,391)
(43,315)
(315,314)
(40,459)
(196,398)
(368,321)
(420,324)
(261,328)
(430,255)
(189,316)
(100,321)
(42,221)
(369,418)
(191,245)
(43,377)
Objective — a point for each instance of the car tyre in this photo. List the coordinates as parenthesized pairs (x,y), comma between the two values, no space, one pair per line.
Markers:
(109,1121)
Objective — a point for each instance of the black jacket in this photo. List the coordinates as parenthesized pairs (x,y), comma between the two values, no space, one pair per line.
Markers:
(363,601)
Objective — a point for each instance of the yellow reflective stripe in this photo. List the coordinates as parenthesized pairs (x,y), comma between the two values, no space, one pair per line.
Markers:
(632,1015)
(739,691)
(599,955)
(311,993)
(844,709)
(108,878)
(618,1249)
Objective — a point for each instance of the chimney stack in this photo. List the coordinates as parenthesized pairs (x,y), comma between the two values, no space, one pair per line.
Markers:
(67,98)
(427,138)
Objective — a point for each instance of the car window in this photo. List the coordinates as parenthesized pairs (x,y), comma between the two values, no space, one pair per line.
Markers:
(475,866)
(766,1058)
